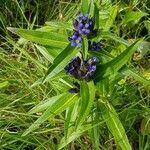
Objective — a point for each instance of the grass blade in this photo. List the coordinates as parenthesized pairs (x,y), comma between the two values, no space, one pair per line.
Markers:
(59,106)
(4,84)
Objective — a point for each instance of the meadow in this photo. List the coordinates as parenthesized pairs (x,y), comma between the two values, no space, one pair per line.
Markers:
(74,75)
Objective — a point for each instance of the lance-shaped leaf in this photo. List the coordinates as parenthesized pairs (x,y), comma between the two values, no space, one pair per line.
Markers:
(57,107)
(111,18)
(87,93)
(91,8)
(109,35)
(114,124)
(96,16)
(60,62)
(85,6)
(40,37)
(45,53)
(60,25)
(45,104)
(115,64)
(94,133)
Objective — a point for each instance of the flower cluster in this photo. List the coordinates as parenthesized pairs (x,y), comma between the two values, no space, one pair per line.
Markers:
(82,69)
(75,39)
(83,25)
(93,46)
(79,67)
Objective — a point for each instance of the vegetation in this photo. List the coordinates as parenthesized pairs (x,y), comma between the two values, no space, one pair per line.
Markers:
(109,110)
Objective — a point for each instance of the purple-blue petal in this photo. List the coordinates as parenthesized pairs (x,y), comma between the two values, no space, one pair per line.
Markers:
(74,37)
(80,25)
(73,43)
(87,25)
(80,32)
(79,45)
(79,38)
(92,68)
(87,31)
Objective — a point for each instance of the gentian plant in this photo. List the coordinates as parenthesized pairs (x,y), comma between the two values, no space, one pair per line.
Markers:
(89,73)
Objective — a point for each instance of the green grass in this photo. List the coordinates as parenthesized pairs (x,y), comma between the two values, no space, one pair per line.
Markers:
(22,63)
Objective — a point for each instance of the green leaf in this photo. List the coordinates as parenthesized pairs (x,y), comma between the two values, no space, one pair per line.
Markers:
(45,53)
(44,38)
(60,62)
(57,107)
(71,115)
(103,87)
(94,133)
(114,124)
(115,64)
(59,77)
(91,8)
(85,6)
(45,104)
(109,35)
(133,16)
(96,16)
(87,93)
(103,55)
(60,25)
(111,18)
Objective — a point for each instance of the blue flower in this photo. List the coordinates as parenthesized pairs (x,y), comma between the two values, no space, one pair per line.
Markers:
(73,66)
(83,24)
(75,39)
(82,69)
(94,46)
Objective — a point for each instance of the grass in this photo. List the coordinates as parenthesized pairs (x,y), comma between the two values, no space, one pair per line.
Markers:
(22,64)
